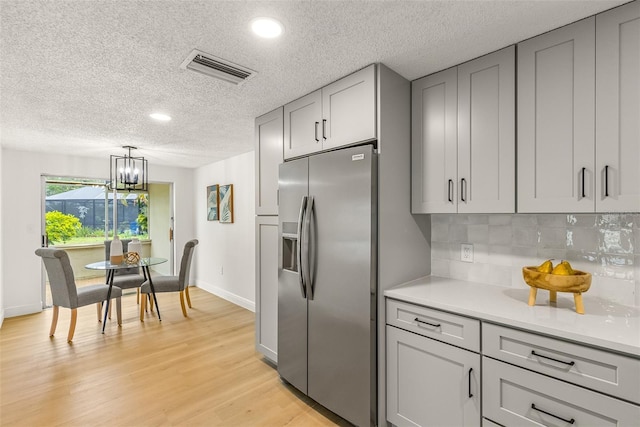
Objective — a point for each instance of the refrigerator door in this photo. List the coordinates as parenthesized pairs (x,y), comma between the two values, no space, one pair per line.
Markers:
(292,302)
(342,295)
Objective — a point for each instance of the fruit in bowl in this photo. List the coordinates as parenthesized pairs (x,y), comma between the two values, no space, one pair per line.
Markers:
(561,278)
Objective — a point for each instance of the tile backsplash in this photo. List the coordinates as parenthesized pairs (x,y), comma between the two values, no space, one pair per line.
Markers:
(606,245)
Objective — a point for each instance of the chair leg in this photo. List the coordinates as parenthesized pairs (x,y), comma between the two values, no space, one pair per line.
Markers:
(186,291)
(138,296)
(99,310)
(143,303)
(72,325)
(110,305)
(119,310)
(150,297)
(54,320)
(184,310)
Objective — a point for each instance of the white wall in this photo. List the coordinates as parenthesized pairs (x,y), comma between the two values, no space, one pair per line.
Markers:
(226,252)
(21,216)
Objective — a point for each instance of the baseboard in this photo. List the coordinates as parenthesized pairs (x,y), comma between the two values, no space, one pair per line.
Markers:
(1,317)
(22,310)
(229,296)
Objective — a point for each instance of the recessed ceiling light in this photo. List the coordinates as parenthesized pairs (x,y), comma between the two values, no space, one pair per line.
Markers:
(268,28)
(160,117)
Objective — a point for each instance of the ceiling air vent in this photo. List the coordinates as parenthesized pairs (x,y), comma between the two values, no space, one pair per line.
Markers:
(217,67)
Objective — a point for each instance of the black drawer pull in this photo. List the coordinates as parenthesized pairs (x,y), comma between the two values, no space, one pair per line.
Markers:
(427,323)
(584,194)
(571,421)
(470,394)
(533,353)
(606,181)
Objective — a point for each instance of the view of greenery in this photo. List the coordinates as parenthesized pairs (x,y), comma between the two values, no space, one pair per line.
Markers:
(61,227)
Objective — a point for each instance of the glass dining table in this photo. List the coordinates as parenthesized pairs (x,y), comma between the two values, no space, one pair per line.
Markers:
(144,264)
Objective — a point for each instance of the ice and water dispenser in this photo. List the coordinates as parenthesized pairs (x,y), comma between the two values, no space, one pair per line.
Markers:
(290,246)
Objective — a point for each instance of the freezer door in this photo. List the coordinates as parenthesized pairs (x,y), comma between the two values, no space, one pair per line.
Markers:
(342,295)
(292,303)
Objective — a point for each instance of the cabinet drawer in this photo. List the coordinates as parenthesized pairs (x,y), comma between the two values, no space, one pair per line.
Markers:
(450,328)
(599,370)
(515,396)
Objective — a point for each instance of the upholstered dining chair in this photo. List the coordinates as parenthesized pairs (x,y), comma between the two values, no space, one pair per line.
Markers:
(179,283)
(64,292)
(125,278)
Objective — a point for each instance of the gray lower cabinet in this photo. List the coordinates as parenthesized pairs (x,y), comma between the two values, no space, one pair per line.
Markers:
(267,286)
(517,397)
(429,382)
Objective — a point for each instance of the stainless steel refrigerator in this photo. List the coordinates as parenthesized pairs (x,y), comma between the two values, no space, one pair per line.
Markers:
(327,280)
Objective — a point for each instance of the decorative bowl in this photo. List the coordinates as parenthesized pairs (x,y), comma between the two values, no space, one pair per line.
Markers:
(131,257)
(578,282)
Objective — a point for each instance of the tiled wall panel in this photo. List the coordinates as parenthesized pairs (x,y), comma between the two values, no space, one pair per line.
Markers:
(606,245)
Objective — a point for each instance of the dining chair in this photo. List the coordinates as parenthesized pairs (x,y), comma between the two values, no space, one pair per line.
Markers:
(125,278)
(179,283)
(65,293)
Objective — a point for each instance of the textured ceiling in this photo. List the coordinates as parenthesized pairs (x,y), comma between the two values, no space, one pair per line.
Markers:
(82,76)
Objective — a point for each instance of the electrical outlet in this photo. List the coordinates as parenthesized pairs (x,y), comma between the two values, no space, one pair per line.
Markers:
(466,253)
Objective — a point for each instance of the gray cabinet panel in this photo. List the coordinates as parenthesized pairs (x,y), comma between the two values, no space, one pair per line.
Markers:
(302,125)
(349,109)
(486,134)
(556,109)
(509,393)
(267,286)
(269,142)
(434,143)
(618,109)
(430,383)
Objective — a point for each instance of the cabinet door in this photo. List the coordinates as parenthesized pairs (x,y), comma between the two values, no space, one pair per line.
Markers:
(302,125)
(430,383)
(486,134)
(618,109)
(349,109)
(434,143)
(267,286)
(556,109)
(269,141)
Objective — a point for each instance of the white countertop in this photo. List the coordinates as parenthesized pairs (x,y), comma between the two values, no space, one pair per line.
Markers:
(605,324)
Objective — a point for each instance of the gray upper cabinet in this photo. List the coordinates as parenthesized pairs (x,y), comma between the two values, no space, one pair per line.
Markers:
(487,134)
(463,137)
(578,109)
(302,121)
(337,115)
(268,149)
(618,109)
(434,135)
(556,110)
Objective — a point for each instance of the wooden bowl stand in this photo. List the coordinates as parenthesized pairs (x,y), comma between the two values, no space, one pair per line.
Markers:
(553,297)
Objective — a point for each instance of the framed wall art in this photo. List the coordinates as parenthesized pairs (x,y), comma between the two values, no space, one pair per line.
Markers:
(212,202)
(226,203)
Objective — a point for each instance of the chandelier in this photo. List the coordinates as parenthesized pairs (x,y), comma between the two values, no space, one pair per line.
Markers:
(128,172)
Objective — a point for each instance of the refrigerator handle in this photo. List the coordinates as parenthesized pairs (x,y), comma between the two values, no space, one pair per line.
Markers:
(303,207)
(308,244)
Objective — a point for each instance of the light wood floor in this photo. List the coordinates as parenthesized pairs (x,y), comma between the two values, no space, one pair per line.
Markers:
(196,371)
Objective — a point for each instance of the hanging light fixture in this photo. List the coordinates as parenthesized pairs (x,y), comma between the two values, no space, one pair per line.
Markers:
(128,173)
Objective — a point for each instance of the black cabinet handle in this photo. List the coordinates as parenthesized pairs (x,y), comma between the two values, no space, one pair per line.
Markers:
(450,190)
(317,123)
(571,421)
(606,181)
(463,189)
(324,128)
(583,192)
(533,353)
(470,394)
(427,323)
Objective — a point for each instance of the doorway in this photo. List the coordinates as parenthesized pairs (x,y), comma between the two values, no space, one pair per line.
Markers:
(77,216)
